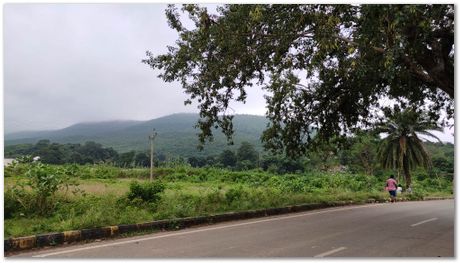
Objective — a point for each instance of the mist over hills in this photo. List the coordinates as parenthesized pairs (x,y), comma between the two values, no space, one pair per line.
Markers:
(176,134)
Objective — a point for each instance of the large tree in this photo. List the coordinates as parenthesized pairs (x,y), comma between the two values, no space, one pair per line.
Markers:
(324,66)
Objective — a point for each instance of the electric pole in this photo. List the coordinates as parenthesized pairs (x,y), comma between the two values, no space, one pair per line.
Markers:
(151,138)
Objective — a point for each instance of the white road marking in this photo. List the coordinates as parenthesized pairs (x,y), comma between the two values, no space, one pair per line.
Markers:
(201,230)
(330,252)
(424,221)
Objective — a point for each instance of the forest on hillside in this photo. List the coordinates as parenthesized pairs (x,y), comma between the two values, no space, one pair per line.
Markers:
(176,135)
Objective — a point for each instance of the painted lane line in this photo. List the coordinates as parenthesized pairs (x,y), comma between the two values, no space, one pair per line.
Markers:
(424,221)
(330,252)
(202,230)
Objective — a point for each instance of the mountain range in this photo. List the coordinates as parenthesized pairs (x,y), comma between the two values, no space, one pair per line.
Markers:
(176,135)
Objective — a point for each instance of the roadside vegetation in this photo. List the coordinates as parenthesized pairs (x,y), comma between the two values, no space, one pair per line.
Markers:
(86,196)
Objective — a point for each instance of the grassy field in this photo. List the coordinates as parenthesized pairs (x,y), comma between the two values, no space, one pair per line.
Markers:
(108,197)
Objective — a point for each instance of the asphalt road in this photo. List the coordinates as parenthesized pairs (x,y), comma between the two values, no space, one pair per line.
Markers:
(406,229)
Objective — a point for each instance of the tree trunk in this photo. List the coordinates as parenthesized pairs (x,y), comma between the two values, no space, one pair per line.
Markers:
(406,169)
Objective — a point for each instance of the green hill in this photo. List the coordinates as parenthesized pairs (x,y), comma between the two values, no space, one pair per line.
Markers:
(176,135)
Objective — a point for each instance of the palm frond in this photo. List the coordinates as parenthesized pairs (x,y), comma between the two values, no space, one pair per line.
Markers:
(402,148)
(429,134)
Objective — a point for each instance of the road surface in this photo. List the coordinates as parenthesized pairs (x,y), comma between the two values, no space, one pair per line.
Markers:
(406,229)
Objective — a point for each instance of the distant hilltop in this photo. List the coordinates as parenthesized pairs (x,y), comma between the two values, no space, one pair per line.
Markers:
(176,134)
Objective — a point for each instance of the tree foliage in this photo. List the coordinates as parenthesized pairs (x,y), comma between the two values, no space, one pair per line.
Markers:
(142,159)
(362,153)
(324,66)
(88,153)
(247,156)
(228,158)
(56,153)
(282,164)
(442,157)
(402,149)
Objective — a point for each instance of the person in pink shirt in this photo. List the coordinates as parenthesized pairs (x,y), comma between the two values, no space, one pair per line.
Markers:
(391,187)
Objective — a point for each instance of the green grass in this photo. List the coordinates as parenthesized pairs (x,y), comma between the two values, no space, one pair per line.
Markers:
(86,212)
(195,192)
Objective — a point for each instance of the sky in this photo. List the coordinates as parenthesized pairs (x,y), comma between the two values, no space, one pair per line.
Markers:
(70,63)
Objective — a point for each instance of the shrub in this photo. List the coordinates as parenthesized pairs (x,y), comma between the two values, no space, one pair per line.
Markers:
(71,170)
(11,203)
(16,169)
(44,181)
(148,192)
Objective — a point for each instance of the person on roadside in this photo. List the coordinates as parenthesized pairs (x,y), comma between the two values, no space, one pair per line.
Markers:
(391,187)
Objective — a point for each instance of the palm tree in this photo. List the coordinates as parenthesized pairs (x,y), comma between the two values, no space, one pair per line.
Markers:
(402,148)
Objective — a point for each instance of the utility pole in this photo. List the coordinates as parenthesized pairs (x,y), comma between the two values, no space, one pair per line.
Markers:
(151,138)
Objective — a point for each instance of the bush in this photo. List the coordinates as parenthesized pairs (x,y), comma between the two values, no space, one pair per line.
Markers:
(16,169)
(44,181)
(148,192)
(11,204)
(71,170)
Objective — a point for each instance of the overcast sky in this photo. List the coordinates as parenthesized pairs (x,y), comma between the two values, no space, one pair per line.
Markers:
(70,63)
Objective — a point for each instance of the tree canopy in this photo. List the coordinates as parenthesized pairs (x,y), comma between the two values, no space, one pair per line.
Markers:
(247,156)
(228,158)
(325,67)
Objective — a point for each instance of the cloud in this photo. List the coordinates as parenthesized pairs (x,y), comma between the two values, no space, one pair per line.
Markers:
(67,63)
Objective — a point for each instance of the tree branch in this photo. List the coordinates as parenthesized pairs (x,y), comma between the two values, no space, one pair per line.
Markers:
(351,42)
(419,73)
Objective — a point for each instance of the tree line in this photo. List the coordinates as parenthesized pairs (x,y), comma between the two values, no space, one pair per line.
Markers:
(358,155)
